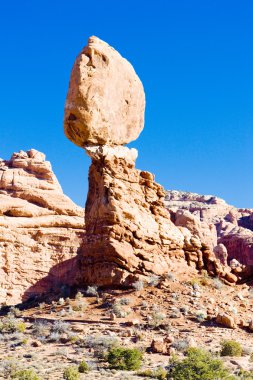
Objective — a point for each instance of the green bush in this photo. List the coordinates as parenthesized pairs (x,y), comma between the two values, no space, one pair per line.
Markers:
(25,374)
(197,365)
(10,324)
(71,373)
(231,348)
(129,359)
(83,367)
(158,373)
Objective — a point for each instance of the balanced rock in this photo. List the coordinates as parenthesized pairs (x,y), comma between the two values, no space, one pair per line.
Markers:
(105,102)
(129,233)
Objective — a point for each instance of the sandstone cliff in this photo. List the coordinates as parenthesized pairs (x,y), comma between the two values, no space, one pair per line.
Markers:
(232,228)
(40,228)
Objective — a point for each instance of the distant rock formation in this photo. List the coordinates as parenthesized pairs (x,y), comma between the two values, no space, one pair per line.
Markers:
(40,228)
(129,233)
(232,228)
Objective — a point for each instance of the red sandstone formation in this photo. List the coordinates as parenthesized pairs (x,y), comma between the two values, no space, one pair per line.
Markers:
(40,228)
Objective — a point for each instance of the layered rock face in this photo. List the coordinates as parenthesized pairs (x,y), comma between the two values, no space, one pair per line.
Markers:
(232,240)
(129,233)
(128,230)
(40,228)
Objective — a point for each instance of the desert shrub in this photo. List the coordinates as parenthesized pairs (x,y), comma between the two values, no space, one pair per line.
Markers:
(197,365)
(245,375)
(83,367)
(41,329)
(217,284)
(181,345)
(92,291)
(15,311)
(230,348)
(201,315)
(138,285)
(118,311)
(157,318)
(78,296)
(158,373)
(9,367)
(124,301)
(100,344)
(54,337)
(10,324)
(122,358)
(154,280)
(71,373)
(25,374)
(60,327)
(80,306)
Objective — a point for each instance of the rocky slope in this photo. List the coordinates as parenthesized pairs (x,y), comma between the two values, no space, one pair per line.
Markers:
(40,228)
(232,228)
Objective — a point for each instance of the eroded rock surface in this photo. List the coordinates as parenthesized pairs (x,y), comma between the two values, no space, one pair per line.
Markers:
(233,231)
(129,233)
(105,102)
(40,228)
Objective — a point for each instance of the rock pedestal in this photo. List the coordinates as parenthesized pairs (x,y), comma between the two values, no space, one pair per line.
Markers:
(128,231)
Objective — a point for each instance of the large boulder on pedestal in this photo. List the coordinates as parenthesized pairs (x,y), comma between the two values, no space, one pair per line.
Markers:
(106,101)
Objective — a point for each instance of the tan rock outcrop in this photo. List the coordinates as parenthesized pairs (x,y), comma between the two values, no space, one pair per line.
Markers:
(128,230)
(105,102)
(231,228)
(40,228)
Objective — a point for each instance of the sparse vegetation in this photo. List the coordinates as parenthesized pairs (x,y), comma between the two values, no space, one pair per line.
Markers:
(10,324)
(92,291)
(101,344)
(129,359)
(118,311)
(124,301)
(153,280)
(217,284)
(198,365)
(201,315)
(60,327)
(231,348)
(158,373)
(71,373)
(83,367)
(25,374)
(41,329)
(157,318)
(138,285)
(181,345)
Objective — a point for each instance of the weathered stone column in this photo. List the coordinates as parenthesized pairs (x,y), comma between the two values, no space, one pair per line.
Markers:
(129,233)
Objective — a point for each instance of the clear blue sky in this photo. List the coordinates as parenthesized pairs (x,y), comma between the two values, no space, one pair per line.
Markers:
(195,59)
